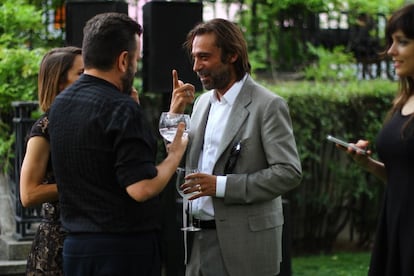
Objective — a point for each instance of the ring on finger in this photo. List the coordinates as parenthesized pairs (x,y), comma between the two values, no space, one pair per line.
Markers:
(199,188)
(188,93)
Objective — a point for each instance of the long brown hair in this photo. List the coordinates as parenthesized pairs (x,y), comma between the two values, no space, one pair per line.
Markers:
(401,20)
(53,72)
(229,38)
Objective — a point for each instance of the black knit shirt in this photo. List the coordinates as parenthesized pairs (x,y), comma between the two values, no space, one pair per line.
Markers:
(101,144)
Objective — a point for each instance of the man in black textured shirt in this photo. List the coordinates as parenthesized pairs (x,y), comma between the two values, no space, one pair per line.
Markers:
(104,159)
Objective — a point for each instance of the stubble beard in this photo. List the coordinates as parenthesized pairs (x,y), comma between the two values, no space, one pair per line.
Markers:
(128,79)
(217,79)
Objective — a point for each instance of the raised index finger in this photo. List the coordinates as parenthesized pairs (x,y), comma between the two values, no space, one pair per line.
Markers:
(176,84)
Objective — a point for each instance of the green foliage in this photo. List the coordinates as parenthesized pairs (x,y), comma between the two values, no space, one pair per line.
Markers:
(334,64)
(18,75)
(334,190)
(277,31)
(18,82)
(339,264)
(6,148)
(18,20)
(271,44)
(22,36)
(20,24)
(374,6)
(284,4)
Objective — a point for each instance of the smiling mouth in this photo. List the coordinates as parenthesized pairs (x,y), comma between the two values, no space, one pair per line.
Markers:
(203,77)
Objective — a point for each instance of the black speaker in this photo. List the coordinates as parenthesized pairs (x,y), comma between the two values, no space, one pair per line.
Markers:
(79,12)
(166,25)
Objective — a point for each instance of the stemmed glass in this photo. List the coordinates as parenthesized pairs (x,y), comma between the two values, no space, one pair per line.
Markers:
(181,173)
(169,122)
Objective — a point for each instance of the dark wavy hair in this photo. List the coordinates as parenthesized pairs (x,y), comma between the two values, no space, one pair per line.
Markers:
(229,38)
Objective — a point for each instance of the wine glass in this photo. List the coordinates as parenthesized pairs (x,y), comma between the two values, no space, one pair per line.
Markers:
(181,173)
(169,122)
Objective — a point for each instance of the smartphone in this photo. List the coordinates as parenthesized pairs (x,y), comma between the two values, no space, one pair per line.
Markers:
(345,144)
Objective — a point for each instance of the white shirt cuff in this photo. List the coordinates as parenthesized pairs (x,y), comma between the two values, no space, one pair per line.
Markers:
(221,186)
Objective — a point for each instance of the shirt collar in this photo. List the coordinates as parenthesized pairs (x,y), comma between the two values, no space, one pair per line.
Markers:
(231,94)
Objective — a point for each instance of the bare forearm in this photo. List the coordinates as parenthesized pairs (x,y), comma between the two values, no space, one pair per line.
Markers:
(148,188)
(39,194)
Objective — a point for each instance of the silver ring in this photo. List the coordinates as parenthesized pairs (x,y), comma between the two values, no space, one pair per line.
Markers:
(188,93)
(199,188)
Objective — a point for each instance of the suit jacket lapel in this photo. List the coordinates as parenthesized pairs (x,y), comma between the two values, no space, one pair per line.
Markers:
(197,130)
(237,117)
(198,119)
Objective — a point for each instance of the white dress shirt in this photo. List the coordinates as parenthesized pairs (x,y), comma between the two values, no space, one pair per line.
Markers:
(215,128)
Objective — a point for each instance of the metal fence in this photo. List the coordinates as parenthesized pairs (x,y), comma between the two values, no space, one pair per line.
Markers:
(22,123)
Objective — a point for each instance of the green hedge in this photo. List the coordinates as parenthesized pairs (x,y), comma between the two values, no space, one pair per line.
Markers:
(18,82)
(335,192)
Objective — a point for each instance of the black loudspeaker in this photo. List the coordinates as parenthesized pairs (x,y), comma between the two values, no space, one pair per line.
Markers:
(79,12)
(166,25)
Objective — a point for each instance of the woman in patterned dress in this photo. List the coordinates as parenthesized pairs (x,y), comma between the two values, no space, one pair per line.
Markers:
(59,68)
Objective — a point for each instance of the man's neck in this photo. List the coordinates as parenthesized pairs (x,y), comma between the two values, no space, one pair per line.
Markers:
(109,76)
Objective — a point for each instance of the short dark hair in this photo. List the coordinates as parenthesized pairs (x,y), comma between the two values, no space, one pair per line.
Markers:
(229,38)
(105,36)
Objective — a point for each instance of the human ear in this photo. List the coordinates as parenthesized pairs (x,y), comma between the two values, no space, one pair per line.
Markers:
(123,61)
(233,58)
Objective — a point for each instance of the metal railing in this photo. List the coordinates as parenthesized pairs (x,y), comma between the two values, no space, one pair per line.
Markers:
(22,123)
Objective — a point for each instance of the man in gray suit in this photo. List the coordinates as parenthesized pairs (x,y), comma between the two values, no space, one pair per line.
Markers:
(242,142)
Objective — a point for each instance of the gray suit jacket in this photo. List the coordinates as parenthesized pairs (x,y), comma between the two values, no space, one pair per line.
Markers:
(249,218)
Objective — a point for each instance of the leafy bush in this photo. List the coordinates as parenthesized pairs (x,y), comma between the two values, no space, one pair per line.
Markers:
(20,23)
(337,65)
(18,82)
(334,192)
(18,75)
(20,26)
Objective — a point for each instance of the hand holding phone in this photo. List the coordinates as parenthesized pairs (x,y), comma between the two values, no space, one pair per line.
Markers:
(345,144)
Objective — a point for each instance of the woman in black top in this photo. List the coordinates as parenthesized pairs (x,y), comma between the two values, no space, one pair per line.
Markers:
(393,251)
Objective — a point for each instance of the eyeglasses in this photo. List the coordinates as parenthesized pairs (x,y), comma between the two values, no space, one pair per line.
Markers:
(234,155)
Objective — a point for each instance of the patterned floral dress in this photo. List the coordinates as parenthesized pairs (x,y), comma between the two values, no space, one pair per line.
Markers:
(45,256)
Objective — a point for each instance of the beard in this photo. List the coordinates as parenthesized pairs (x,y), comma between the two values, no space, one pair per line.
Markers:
(217,79)
(128,79)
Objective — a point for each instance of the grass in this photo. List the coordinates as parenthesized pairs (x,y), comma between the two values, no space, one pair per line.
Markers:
(338,264)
